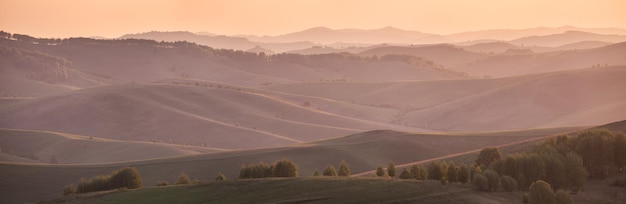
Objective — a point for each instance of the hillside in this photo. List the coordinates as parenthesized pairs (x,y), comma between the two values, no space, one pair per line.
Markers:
(51,147)
(447,55)
(505,65)
(579,97)
(209,115)
(567,37)
(305,190)
(364,151)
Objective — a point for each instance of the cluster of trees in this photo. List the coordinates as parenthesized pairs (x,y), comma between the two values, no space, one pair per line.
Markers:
(344,170)
(566,162)
(37,65)
(281,168)
(436,170)
(123,178)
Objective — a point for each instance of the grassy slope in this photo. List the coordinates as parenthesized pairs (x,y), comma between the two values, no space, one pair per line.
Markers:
(305,190)
(186,114)
(63,146)
(572,98)
(362,151)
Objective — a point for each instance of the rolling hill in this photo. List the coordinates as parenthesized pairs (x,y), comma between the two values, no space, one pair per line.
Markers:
(449,56)
(568,98)
(60,148)
(211,115)
(568,37)
(363,151)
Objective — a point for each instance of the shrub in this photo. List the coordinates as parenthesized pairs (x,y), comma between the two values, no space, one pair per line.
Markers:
(344,169)
(463,174)
(126,178)
(480,181)
(541,192)
(284,168)
(380,171)
(562,197)
(183,178)
(220,177)
(69,189)
(493,179)
(509,183)
(405,174)
(316,173)
(391,170)
(330,171)
(162,183)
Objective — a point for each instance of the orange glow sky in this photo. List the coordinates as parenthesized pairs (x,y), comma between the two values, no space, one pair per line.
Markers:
(113,18)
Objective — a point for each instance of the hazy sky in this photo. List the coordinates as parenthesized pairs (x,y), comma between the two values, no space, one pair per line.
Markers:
(113,18)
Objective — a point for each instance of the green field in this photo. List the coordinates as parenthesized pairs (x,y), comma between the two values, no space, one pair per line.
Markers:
(302,190)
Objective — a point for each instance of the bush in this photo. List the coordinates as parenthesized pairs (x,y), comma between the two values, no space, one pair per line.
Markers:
(405,174)
(220,177)
(541,192)
(69,189)
(316,173)
(344,169)
(380,171)
(124,178)
(509,183)
(562,197)
(284,168)
(183,179)
(162,183)
(329,171)
(493,179)
(391,170)
(480,181)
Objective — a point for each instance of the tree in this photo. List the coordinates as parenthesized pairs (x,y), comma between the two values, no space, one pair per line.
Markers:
(220,177)
(488,155)
(480,182)
(329,171)
(126,177)
(619,149)
(452,173)
(596,149)
(344,169)
(183,178)
(316,173)
(475,169)
(405,174)
(463,174)
(562,197)
(493,179)
(244,172)
(541,192)
(508,183)
(575,173)
(285,168)
(415,171)
(391,170)
(435,171)
(380,171)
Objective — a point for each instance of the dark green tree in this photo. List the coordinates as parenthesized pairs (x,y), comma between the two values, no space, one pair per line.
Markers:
(540,192)
(405,174)
(344,169)
(452,173)
(391,170)
(330,171)
(380,171)
(480,182)
(488,155)
(464,174)
(285,168)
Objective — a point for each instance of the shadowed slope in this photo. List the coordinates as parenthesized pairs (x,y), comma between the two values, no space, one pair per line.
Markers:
(63,148)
